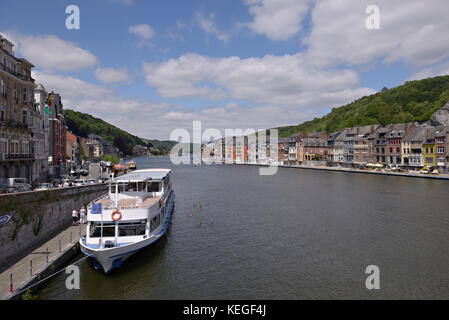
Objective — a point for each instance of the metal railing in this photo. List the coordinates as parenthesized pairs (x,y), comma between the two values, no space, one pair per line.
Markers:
(20,274)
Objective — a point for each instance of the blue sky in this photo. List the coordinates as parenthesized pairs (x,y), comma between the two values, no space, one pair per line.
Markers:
(150,67)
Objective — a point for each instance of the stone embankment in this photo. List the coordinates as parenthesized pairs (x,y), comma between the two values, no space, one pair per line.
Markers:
(30,219)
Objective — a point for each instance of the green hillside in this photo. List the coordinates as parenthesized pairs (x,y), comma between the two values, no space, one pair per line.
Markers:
(83,124)
(412,101)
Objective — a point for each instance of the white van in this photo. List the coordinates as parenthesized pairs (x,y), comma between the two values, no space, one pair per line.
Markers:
(19,183)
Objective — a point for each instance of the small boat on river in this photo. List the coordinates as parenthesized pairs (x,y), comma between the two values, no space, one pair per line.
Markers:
(131,165)
(131,216)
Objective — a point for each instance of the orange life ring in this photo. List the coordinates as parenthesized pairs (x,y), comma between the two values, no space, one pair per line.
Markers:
(169,186)
(160,203)
(116,212)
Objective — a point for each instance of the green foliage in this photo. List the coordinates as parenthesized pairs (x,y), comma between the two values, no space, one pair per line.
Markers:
(19,222)
(82,124)
(112,158)
(27,295)
(412,101)
(38,225)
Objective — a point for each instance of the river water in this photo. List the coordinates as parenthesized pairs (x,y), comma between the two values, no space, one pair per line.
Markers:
(300,234)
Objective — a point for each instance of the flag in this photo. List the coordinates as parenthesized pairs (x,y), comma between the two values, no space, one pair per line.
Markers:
(97,208)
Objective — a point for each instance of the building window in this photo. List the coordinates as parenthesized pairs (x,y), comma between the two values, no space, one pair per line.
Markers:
(440,150)
(429,160)
(16,100)
(3,88)
(2,113)
(25,94)
(24,117)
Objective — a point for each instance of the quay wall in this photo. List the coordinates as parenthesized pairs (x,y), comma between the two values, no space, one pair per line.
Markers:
(349,170)
(36,217)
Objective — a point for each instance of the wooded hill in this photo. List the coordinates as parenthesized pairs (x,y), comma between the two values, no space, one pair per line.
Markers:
(412,101)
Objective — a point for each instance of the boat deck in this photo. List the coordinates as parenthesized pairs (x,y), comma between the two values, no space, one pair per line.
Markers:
(128,203)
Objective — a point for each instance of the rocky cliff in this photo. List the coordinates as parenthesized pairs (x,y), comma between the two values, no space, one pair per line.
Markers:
(441,117)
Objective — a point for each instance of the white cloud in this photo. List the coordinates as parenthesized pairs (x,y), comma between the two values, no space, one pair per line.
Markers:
(413,31)
(111,75)
(70,87)
(277,19)
(437,70)
(208,26)
(274,80)
(144,31)
(50,52)
(151,119)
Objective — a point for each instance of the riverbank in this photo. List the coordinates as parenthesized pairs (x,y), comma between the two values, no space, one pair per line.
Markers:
(339,169)
(40,264)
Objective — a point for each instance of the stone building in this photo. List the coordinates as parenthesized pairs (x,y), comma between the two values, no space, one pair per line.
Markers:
(56,116)
(17,114)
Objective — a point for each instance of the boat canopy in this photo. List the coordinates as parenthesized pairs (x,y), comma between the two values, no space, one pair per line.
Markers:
(143,175)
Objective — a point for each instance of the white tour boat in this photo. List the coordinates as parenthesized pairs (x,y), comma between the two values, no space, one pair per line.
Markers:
(132,215)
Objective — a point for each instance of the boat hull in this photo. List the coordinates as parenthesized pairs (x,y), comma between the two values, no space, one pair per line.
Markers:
(110,258)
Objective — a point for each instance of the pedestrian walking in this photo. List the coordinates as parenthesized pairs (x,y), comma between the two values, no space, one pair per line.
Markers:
(82,215)
(74,216)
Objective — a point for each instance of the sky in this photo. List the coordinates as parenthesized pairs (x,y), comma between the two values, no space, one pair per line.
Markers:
(150,67)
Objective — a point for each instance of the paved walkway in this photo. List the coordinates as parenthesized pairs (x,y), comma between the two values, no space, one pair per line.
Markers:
(21,270)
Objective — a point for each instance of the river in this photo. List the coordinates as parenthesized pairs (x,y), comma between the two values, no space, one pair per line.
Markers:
(300,234)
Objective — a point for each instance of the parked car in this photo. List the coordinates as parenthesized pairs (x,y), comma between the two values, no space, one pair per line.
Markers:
(78,182)
(6,189)
(23,188)
(44,186)
(18,184)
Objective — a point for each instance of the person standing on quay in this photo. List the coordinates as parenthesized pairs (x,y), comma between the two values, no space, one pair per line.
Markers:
(74,216)
(82,215)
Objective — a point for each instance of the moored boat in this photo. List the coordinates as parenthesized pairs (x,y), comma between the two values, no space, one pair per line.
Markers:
(131,165)
(131,216)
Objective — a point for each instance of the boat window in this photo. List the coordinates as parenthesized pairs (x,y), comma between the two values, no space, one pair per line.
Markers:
(140,186)
(108,231)
(154,223)
(131,229)
(153,187)
(131,187)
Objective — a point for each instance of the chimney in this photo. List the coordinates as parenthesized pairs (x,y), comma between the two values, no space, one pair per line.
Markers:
(428,133)
(406,126)
(372,129)
(391,127)
(358,130)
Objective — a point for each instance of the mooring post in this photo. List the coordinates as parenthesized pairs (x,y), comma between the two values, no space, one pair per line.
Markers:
(31,267)
(10,283)
(80,230)
(59,245)
(70,237)
(47,255)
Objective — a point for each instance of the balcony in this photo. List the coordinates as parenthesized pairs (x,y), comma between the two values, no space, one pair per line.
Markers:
(15,74)
(16,157)
(14,124)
